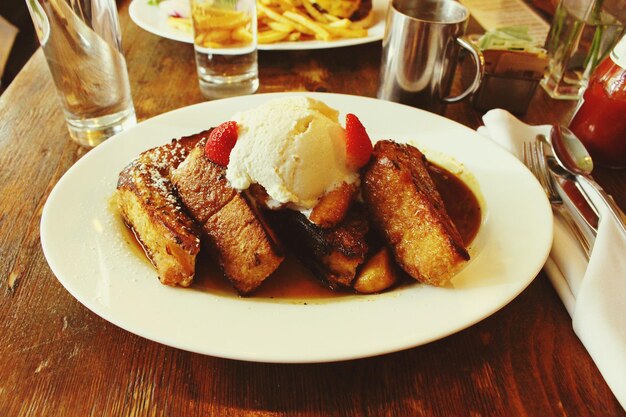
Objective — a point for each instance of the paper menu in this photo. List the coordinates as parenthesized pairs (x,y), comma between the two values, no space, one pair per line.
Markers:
(494,14)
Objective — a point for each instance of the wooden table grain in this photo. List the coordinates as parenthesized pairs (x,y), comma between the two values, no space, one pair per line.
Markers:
(59,359)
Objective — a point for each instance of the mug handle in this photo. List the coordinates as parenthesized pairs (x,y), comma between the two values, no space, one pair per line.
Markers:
(479,61)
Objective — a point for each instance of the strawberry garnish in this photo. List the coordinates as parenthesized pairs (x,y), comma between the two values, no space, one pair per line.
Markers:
(221,141)
(358,143)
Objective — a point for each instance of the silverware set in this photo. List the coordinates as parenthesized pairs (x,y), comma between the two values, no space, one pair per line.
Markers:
(572,155)
(536,160)
(549,167)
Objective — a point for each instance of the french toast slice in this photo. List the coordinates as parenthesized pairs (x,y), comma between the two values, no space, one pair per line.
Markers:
(244,246)
(408,211)
(150,206)
(332,254)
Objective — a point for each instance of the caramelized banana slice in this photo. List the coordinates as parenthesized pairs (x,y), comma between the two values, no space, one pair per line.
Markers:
(333,206)
(377,274)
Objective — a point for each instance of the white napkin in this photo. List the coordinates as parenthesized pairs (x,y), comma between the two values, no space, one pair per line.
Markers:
(593,292)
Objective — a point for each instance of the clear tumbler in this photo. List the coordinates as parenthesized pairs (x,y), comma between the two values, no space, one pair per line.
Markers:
(225,43)
(582,34)
(82,44)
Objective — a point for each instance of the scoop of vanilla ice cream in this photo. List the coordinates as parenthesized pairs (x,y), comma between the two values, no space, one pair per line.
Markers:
(294,147)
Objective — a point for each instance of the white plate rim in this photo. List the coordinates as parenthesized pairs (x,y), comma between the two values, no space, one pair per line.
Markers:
(477,297)
(150,19)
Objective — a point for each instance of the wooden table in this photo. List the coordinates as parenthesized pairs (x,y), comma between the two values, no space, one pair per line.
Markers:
(57,358)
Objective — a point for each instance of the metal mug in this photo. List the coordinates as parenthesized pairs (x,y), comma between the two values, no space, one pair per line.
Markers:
(421,46)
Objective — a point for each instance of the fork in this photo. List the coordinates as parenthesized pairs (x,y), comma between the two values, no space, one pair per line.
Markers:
(535,160)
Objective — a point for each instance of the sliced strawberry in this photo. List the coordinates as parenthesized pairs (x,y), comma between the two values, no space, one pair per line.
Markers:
(221,141)
(358,143)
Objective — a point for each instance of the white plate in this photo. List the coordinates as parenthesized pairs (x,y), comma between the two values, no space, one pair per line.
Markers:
(154,20)
(87,250)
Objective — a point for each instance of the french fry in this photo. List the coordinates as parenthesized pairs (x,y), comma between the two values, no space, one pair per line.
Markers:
(272,36)
(331,17)
(199,39)
(282,19)
(312,11)
(294,36)
(214,45)
(285,5)
(320,32)
(343,23)
(281,27)
(242,35)
(218,35)
(346,33)
(223,22)
(181,23)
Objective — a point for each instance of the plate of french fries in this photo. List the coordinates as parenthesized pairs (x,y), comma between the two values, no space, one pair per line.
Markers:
(282,24)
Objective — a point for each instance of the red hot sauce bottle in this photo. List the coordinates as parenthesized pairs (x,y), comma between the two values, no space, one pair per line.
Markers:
(600,121)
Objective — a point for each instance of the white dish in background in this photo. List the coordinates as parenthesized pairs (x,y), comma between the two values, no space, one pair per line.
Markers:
(88,251)
(154,20)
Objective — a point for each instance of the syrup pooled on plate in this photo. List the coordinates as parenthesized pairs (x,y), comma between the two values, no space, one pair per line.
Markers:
(461,203)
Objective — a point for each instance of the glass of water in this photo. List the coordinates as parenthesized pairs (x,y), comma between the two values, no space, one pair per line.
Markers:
(582,34)
(82,44)
(225,43)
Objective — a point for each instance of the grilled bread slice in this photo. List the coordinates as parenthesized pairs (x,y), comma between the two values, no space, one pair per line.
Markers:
(244,246)
(407,209)
(332,254)
(150,207)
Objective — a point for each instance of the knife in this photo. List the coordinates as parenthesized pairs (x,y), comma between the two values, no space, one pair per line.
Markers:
(576,197)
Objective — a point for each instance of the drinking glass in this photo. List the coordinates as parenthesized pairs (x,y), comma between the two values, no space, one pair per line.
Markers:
(582,34)
(225,43)
(420,51)
(82,44)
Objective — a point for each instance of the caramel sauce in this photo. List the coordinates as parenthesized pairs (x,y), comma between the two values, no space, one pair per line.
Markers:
(292,282)
(132,241)
(461,203)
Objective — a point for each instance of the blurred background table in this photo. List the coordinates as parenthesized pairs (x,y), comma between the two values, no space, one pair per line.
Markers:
(59,359)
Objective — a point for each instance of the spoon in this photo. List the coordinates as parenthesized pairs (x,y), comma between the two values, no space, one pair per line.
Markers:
(572,189)
(572,155)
